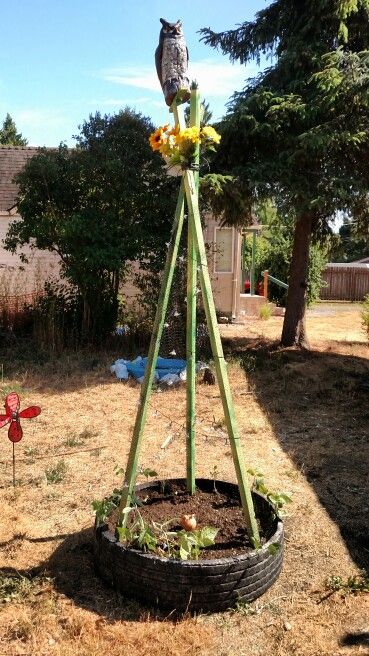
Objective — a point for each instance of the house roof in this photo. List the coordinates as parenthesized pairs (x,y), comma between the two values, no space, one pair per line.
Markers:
(364,260)
(359,264)
(12,161)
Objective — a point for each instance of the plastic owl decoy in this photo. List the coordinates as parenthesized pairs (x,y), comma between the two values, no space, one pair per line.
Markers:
(171,59)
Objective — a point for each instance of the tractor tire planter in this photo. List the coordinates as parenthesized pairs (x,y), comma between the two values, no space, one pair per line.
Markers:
(207,585)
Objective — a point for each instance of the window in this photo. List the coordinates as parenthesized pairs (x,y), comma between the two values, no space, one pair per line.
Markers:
(223,250)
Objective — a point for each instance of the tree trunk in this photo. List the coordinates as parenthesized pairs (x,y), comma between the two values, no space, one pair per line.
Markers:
(294,325)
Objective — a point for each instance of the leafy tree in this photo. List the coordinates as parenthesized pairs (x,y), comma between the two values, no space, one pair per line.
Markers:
(352,242)
(9,135)
(274,251)
(299,131)
(98,206)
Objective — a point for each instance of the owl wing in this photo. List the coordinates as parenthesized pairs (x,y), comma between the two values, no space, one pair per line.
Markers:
(158,58)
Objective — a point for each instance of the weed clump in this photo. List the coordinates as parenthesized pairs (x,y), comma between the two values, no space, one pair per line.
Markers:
(57,473)
(265,312)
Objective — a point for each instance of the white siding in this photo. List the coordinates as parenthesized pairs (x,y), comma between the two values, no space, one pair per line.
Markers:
(18,278)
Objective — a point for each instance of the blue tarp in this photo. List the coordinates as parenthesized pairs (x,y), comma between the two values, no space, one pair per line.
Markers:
(136,368)
(163,367)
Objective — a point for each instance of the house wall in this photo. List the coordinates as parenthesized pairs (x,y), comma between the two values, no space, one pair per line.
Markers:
(226,284)
(17,278)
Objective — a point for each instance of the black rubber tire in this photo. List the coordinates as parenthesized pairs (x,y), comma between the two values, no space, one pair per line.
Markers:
(202,585)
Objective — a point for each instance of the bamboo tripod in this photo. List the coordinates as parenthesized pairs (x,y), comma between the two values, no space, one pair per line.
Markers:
(196,264)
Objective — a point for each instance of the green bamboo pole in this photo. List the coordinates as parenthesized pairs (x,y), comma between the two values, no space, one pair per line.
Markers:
(191,318)
(131,470)
(220,365)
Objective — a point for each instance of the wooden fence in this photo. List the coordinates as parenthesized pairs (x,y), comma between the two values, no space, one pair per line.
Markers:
(345,283)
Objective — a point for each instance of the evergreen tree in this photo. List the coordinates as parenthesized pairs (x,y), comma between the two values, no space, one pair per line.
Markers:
(205,113)
(9,135)
(299,132)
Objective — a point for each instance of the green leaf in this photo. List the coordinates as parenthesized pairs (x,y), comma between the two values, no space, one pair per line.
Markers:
(274,548)
(207,536)
(148,472)
(183,552)
(123,534)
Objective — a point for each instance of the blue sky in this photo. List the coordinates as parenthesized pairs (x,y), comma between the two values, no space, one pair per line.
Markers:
(62,60)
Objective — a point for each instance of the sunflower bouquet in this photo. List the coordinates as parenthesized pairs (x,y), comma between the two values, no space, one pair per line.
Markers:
(178,147)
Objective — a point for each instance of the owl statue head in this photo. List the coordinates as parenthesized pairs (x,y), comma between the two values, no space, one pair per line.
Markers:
(171,28)
(171,58)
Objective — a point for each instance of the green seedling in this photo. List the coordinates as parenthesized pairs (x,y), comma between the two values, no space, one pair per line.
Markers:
(105,507)
(192,542)
(276,499)
(157,537)
(137,533)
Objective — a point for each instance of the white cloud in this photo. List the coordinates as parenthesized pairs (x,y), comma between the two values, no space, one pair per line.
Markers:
(219,79)
(132,76)
(35,117)
(123,102)
(44,126)
(215,79)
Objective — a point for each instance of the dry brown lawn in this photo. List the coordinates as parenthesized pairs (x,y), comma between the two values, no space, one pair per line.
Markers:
(303,419)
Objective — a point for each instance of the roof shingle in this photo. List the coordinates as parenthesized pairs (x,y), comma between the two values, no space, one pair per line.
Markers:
(12,161)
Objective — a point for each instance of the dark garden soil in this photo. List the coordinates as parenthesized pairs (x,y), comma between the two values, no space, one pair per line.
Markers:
(211,508)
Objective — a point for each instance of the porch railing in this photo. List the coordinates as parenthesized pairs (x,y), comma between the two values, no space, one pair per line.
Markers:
(267,276)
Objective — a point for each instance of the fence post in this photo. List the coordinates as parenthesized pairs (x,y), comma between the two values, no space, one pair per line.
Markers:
(266,274)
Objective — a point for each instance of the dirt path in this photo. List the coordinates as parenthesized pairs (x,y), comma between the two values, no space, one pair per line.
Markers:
(329,325)
(303,422)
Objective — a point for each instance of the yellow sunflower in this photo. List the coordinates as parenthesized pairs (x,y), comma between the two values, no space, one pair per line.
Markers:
(189,135)
(158,138)
(210,134)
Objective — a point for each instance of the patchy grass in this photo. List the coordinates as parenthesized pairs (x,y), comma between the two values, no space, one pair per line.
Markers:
(303,422)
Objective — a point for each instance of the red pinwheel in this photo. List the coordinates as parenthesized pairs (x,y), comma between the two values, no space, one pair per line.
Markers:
(13,416)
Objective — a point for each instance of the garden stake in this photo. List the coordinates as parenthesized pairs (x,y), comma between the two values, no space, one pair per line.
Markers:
(191,310)
(12,417)
(219,361)
(131,469)
(196,258)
